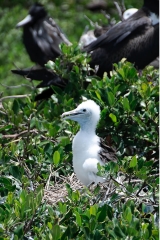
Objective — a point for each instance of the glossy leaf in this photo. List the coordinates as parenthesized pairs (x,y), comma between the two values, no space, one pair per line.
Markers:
(56,158)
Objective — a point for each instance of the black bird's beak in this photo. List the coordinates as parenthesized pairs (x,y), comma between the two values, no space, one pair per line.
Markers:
(25,21)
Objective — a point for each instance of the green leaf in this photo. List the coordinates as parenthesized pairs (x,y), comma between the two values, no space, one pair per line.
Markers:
(64,140)
(49,225)
(111,98)
(7,127)
(157,180)
(126,104)
(33,122)
(118,232)
(128,214)
(121,71)
(102,213)
(15,106)
(98,95)
(19,230)
(76,68)
(39,194)
(155,233)
(133,162)
(144,87)
(78,218)
(93,210)
(56,158)
(113,117)
(75,195)
(56,232)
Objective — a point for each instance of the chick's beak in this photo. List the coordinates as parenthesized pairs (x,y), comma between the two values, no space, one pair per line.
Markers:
(70,114)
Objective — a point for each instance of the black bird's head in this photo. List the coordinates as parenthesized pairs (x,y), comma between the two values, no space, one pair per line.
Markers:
(36,12)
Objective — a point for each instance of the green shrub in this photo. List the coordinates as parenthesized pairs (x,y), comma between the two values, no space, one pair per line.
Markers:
(35,143)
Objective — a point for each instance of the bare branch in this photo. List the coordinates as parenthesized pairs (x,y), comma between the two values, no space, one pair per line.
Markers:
(15,96)
(119,10)
(18,86)
(95,25)
(106,15)
(19,134)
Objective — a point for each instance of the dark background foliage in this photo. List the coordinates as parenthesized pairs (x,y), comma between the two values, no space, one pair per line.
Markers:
(69,15)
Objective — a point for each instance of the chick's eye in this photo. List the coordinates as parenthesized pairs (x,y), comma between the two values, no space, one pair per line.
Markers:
(84,110)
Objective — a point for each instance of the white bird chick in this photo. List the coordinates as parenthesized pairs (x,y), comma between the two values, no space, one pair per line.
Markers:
(86,144)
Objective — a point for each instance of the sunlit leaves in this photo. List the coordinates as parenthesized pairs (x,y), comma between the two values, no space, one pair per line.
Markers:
(113,117)
(133,162)
(56,157)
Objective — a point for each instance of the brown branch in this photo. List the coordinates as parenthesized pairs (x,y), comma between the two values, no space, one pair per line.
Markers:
(18,134)
(17,86)
(119,10)
(15,96)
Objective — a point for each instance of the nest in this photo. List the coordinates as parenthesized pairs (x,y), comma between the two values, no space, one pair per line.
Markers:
(98,193)
(58,192)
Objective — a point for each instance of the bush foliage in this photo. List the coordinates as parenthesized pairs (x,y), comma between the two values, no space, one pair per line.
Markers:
(35,142)
(36,145)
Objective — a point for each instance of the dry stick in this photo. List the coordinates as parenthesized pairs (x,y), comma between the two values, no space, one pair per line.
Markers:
(48,181)
(15,96)
(106,15)
(2,111)
(134,181)
(51,174)
(120,184)
(119,10)
(18,134)
(25,132)
(110,193)
(17,86)
(154,175)
(95,25)
(108,190)
(123,6)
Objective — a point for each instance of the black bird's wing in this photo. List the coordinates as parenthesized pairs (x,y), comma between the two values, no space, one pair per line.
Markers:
(107,153)
(48,37)
(46,94)
(47,77)
(46,43)
(54,31)
(120,31)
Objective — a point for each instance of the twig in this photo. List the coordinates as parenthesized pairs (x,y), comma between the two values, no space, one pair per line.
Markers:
(15,96)
(117,182)
(48,181)
(119,10)
(2,112)
(154,175)
(18,134)
(106,15)
(50,175)
(108,191)
(18,86)
(143,185)
(123,6)
(106,196)
(95,25)
(134,181)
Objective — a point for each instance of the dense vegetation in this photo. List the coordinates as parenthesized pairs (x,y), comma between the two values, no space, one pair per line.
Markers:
(36,155)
